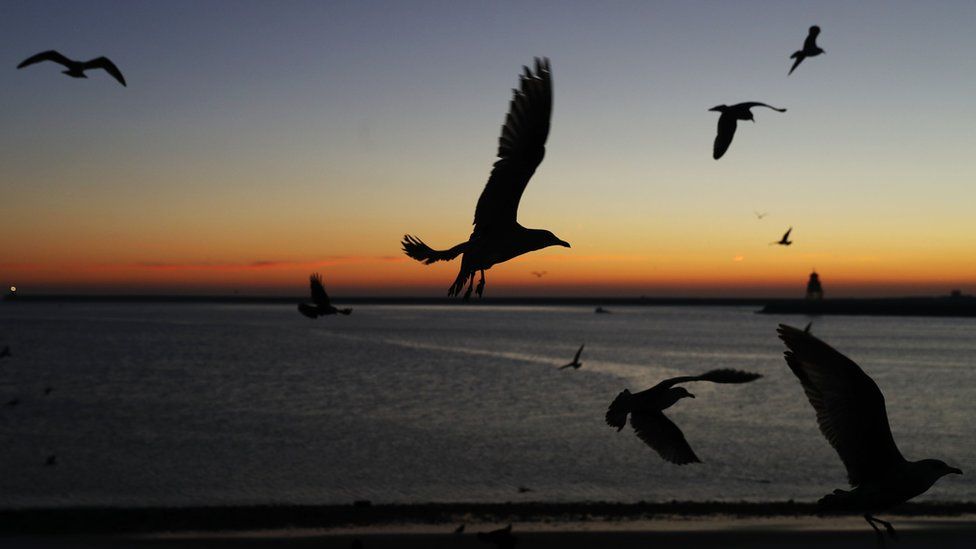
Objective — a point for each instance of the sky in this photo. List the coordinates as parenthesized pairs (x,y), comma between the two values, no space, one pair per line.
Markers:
(257,142)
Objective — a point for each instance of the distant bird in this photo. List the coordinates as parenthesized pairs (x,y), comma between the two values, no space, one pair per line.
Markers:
(5,352)
(760,215)
(727,123)
(652,426)
(524,489)
(785,241)
(321,306)
(52,460)
(501,538)
(810,49)
(539,274)
(497,235)
(76,69)
(601,310)
(852,417)
(13,402)
(459,529)
(47,390)
(575,364)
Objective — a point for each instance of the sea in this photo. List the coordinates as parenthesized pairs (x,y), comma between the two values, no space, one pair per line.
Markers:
(237,404)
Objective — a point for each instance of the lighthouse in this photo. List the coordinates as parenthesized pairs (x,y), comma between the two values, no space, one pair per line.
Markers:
(814,289)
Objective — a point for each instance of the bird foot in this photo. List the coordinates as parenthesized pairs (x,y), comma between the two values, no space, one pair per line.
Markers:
(481,285)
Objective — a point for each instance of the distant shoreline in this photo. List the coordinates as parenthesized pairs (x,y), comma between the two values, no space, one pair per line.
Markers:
(99,520)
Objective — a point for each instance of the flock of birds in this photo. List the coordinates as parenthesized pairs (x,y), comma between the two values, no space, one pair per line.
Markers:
(849,406)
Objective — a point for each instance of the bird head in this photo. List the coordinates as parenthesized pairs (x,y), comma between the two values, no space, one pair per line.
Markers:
(681,392)
(539,239)
(934,469)
(719,108)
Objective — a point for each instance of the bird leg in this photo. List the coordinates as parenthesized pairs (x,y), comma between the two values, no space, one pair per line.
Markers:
(877,531)
(888,527)
(467,293)
(481,284)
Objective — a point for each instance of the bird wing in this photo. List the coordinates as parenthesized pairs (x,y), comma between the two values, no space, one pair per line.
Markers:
(850,407)
(521,147)
(751,104)
(310,311)
(49,55)
(107,65)
(786,235)
(722,375)
(319,297)
(726,129)
(799,59)
(661,434)
(578,353)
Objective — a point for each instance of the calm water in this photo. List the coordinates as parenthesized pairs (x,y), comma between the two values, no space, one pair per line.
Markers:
(233,404)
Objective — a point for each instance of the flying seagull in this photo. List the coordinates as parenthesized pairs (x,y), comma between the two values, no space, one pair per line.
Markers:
(76,69)
(760,215)
(539,274)
(321,305)
(852,417)
(727,123)
(810,49)
(575,364)
(785,241)
(502,538)
(652,426)
(497,235)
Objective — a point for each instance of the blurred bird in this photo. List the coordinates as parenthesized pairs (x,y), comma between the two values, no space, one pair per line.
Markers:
(539,274)
(497,235)
(760,215)
(652,426)
(321,304)
(727,123)
(459,529)
(852,417)
(502,538)
(785,241)
(47,390)
(575,364)
(524,489)
(52,460)
(76,69)
(810,49)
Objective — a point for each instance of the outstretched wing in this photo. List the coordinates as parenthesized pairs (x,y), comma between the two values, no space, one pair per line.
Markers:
(799,59)
(49,55)
(578,353)
(661,434)
(109,66)
(722,375)
(521,148)
(308,310)
(751,104)
(319,297)
(786,235)
(850,407)
(726,130)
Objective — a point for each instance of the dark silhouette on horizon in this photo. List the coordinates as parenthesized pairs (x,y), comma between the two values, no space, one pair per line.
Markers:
(601,311)
(75,69)
(852,417)
(321,305)
(727,123)
(497,235)
(575,364)
(810,49)
(647,417)
(539,274)
(501,538)
(785,240)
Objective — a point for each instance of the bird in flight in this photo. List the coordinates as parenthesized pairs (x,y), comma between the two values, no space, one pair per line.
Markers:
(785,241)
(852,417)
(727,123)
(497,235)
(539,274)
(51,461)
(321,305)
(810,49)
(75,69)
(501,538)
(760,215)
(575,364)
(647,417)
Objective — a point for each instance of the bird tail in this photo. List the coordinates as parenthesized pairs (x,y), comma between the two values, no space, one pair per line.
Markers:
(618,410)
(346,312)
(310,311)
(840,501)
(728,375)
(415,248)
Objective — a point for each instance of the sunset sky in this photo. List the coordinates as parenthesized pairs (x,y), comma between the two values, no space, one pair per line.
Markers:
(259,141)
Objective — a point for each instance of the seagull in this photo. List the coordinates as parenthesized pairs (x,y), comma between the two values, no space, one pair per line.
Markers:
(539,274)
(524,489)
(502,538)
(760,215)
(5,352)
(76,69)
(727,123)
(652,426)
(321,304)
(810,49)
(852,417)
(497,235)
(575,364)
(785,241)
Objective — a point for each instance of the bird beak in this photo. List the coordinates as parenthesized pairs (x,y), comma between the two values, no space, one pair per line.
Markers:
(564,243)
(691,395)
(955,471)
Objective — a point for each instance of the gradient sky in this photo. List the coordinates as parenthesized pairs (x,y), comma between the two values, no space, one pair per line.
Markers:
(259,141)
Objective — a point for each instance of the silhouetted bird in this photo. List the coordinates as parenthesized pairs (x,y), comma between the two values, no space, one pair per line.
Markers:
(810,48)
(652,426)
(851,414)
(727,123)
(601,310)
(459,529)
(321,304)
(497,235)
(575,364)
(76,69)
(524,489)
(760,215)
(52,460)
(5,352)
(502,538)
(785,241)
(539,274)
